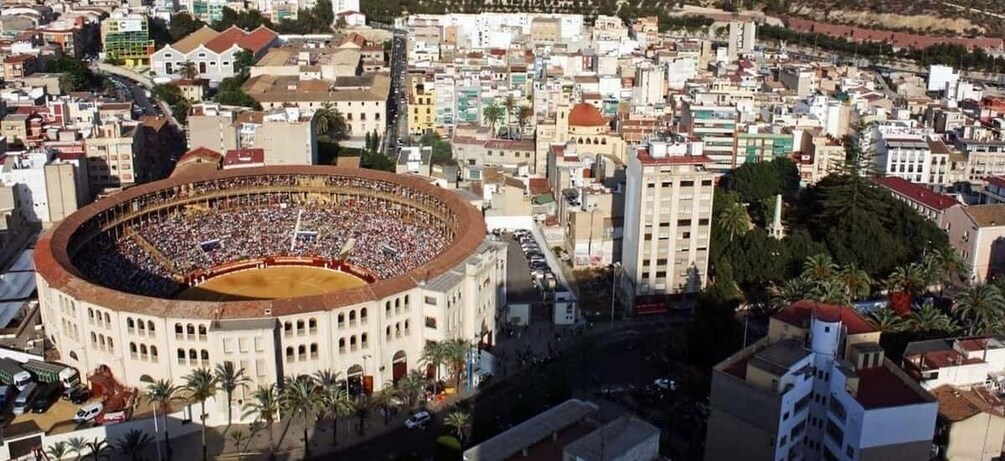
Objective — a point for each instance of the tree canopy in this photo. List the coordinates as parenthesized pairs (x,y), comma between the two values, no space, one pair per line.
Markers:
(443,153)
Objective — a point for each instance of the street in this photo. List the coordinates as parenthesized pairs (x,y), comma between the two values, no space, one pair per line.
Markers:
(398,98)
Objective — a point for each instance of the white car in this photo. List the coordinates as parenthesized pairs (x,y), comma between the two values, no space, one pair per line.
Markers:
(666,384)
(88,412)
(418,420)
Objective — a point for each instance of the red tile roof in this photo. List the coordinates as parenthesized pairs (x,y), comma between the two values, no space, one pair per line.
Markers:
(799,314)
(199,153)
(878,387)
(917,193)
(258,39)
(586,115)
(996,180)
(226,39)
(244,157)
(646,159)
(538,186)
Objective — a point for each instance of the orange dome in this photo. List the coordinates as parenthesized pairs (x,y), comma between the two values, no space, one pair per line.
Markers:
(583,114)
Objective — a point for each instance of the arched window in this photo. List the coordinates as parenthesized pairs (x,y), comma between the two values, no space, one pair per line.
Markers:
(397,303)
(108,318)
(302,352)
(73,355)
(406,327)
(193,355)
(397,330)
(289,354)
(300,327)
(90,313)
(181,356)
(388,334)
(205,357)
(352,342)
(150,328)
(288,328)
(179,330)
(603,141)
(352,318)
(589,142)
(111,346)
(312,325)
(406,301)
(143,351)
(153,353)
(341,320)
(364,340)
(129,323)
(341,344)
(579,140)
(132,348)
(101,340)
(314,350)
(190,329)
(202,331)
(362,315)
(387,309)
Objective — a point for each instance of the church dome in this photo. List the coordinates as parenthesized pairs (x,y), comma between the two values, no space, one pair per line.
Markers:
(586,115)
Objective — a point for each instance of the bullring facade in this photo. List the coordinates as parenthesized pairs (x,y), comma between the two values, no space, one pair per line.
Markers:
(124,314)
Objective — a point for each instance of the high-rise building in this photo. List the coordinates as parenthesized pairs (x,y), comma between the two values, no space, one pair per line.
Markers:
(716,127)
(648,89)
(668,214)
(742,36)
(817,387)
(126,36)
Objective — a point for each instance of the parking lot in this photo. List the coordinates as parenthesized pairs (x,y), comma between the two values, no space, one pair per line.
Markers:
(58,415)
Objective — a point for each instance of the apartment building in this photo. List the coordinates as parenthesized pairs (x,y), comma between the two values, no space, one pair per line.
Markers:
(928,203)
(286,136)
(967,377)
(742,38)
(817,387)
(914,157)
(983,158)
(716,127)
(421,105)
(46,187)
(754,145)
(668,214)
(111,163)
(976,233)
(125,36)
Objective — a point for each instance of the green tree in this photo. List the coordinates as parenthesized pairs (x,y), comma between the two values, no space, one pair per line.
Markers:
(734,221)
(459,421)
(300,398)
(187,70)
(230,378)
(182,24)
(434,354)
(523,115)
(493,114)
(928,319)
(455,356)
(97,449)
(856,281)
(384,399)
(201,385)
(243,60)
(887,321)
(161,394)
(819,268)
(443,151)
(58,450)
(981,308)
(411,387)
(911,279)
(264,406)
(334,402)
(510,106)
(132,444)
(75,75)
(77,445)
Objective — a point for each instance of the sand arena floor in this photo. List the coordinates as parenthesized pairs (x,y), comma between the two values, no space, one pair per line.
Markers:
(271,283)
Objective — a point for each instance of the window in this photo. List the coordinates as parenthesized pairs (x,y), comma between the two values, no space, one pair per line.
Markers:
(205,357)
(289,355)
(190,330)
(406,327)
(202,332)
(150,328)
(192,356)
(179,331)
(431,300)
(314,351)
(341,345)
(312,325)
(143,351)
(153,354)
(288,328)
(364,341)
(181,356)
(352,318)
(387,335)
(300,327)
(431,322)
(132,350)
(352,342)
(835,433)
(130,324)
(302,353)
(362,316)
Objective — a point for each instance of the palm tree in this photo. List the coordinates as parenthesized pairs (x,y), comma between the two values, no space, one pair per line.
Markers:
(981,307)
(300,398)
(242,439)
(791,291)
(510,105)
(77,445)
(411,387)
(455,355)
(886,320)
(362,408)
(133,443)
(264,406)
(458,419)
(830,292)
(58,450)
(201,384)
(492,114)
(433,355)
(187,70)
(336,403)
(910,279)
(929,318)
(819,268)
(946,266)
(97,449)
(734,220)
(856,281)
(522,116)
(161,393)
(384,398)
(230,378)
(324,117)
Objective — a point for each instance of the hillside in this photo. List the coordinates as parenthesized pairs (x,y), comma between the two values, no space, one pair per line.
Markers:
(958,17)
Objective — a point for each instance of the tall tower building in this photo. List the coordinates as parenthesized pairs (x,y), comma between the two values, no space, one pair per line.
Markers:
(668,216)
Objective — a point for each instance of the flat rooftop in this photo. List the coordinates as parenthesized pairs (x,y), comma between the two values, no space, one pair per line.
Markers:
(512,442)
(779,357)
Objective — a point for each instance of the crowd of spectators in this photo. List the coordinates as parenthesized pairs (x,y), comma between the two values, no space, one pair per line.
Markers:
(152,257)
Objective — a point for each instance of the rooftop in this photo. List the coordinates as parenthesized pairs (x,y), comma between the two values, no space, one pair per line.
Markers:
(799,314)
(917,193)
(779,357)
(586,115)
(510,443)
(613,440)
(880,387)
(987,215)
(957,404)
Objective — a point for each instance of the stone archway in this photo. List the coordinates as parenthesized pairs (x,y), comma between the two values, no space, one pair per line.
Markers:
(399,366)
(354,378)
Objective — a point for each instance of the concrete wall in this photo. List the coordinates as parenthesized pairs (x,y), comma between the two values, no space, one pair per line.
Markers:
(742,422)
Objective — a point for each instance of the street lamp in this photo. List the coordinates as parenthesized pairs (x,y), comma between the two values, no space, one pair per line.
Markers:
(615,269)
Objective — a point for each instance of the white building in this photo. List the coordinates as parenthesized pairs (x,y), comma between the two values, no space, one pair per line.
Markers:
(939,76)
(742,37)
(214,54)
(50,187)
(648,89)
(817,388)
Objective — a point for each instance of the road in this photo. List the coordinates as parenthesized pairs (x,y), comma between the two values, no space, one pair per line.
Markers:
(397,104)
(633,355)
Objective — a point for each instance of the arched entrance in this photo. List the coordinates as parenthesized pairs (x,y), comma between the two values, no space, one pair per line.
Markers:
(399,366)
(354,377)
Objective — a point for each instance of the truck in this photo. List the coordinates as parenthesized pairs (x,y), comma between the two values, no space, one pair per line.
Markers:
(48,372)
(12,374)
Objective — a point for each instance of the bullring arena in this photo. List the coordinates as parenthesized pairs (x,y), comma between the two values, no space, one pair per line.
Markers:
(281,270)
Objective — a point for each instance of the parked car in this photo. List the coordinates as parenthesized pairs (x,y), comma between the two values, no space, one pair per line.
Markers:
(69,391)
(666,384)
(418,420)
(24,398)
(88,412)
(80,395)
(48,394)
